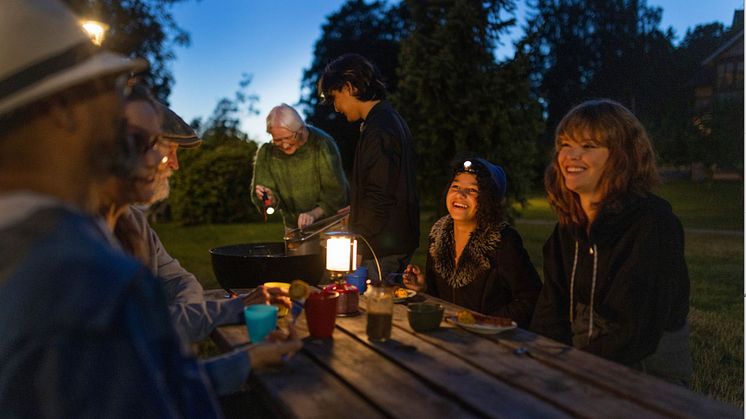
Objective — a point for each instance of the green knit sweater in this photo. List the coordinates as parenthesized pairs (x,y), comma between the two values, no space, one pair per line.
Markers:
(309,178)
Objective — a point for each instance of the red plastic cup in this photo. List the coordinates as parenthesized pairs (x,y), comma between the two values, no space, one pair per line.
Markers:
(321,313)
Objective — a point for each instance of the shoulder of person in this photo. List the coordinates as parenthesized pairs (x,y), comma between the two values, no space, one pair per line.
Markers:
(263,150)
(319,138)
(442,226)
(318,133)
(507,233)
(383,119)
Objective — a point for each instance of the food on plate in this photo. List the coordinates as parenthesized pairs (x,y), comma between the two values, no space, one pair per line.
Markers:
(401,293)
(465,317)
(299,290)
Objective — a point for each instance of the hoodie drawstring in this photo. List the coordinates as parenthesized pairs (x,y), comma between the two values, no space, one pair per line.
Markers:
(572,284)
(594,252)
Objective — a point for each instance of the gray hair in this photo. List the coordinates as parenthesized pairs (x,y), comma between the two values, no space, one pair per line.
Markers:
(284,116)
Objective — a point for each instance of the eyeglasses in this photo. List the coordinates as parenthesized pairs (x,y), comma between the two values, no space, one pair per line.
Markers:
(288,139)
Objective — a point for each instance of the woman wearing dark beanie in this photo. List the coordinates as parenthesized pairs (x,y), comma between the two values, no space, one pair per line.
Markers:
(475,259)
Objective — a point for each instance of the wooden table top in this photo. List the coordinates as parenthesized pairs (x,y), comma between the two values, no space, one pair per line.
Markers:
(455,373)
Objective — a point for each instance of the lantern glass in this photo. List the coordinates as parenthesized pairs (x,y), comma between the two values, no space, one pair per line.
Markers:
(341,253)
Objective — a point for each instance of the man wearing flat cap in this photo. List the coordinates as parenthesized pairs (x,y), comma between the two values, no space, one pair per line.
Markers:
(86,331)
(194,315)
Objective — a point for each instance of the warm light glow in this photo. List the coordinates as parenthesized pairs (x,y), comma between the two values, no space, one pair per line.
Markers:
(341,253)
(95,30)
(164,160)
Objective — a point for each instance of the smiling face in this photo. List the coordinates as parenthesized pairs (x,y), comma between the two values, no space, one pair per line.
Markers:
(461,199)
(582,162)
(287,141)
(346,103)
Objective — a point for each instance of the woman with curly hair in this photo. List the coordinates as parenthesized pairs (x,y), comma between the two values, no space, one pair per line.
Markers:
(615,280)
(476,259)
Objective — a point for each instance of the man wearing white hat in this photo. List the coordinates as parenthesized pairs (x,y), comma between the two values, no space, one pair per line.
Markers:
(86,332)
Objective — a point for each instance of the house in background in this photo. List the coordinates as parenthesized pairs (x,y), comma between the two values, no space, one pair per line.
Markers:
(723,70)
(718,106)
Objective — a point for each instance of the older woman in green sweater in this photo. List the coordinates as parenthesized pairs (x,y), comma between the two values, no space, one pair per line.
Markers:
(300,171)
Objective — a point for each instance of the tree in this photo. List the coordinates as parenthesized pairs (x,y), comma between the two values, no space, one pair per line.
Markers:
(458,101)
(373,30)
(219,172)
(223,125)
(139,28)
(581,50)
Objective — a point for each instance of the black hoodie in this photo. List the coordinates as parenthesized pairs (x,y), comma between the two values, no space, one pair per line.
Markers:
(642,283)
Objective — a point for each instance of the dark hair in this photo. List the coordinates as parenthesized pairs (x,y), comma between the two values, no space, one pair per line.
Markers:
(630,167)
(363,76)
(489,200)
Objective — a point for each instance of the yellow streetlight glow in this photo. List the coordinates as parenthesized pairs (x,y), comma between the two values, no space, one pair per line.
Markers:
(95,30)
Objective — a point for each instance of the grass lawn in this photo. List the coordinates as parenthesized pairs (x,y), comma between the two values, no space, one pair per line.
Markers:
(715,261)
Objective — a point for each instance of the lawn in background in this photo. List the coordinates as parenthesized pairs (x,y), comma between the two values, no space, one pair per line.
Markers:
(715,264)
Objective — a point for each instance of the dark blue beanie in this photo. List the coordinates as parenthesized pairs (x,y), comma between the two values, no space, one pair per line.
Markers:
(496,173)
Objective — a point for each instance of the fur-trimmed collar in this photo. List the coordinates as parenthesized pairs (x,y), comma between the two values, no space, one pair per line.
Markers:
(475,259)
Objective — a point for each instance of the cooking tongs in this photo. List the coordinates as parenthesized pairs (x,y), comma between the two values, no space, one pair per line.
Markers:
(298,235)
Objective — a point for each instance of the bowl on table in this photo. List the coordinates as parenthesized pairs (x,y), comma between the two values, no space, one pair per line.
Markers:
(425,317)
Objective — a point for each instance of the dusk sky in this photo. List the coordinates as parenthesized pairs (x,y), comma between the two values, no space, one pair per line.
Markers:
(273,41)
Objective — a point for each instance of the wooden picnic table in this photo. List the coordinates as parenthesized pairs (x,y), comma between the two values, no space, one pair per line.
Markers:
(455,373)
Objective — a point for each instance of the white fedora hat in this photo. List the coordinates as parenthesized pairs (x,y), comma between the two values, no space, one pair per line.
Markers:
(45,51)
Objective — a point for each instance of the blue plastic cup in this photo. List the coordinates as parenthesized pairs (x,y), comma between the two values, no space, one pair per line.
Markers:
(260,321)
(359,279)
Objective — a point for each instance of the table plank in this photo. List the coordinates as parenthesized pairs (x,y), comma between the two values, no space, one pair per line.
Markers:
(621,382)
(452,377)
(575,397)
(303,389)
(379,380)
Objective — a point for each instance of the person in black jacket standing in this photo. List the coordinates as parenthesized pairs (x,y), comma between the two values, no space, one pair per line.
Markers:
(384,207)
(615,279)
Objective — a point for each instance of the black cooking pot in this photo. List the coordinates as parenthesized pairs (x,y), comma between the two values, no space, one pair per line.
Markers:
(252,264)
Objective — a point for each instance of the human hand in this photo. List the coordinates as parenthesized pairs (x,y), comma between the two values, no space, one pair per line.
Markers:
(278,296)
(276,349)
(260,190)
(258,295)
(305,219)
(413,278)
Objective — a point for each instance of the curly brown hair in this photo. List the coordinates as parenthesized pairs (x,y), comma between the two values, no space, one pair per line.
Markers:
(630,168)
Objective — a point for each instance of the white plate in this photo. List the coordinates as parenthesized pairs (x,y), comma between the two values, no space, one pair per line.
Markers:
(410,294)
(484,329)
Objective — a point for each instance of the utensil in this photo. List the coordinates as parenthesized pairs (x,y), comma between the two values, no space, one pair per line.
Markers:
(302,234)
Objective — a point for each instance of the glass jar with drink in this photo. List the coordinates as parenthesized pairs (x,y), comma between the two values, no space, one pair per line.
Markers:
(380,311)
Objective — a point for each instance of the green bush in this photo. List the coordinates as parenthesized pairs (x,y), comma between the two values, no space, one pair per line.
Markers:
(212,185)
